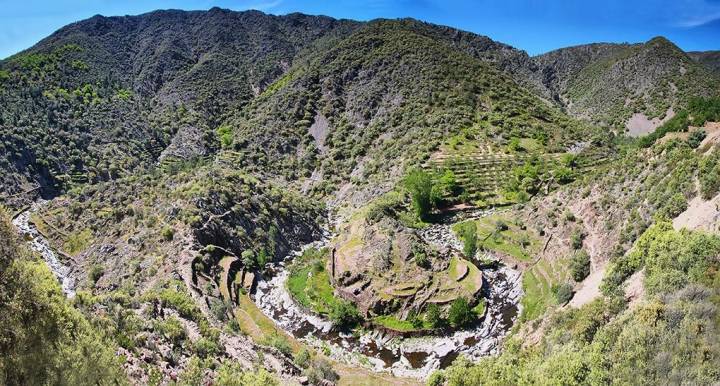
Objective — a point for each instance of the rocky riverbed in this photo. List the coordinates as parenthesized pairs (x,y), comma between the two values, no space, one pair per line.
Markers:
(39,244)
(402,356)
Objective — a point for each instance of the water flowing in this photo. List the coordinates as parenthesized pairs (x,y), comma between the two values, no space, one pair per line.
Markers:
(39,244)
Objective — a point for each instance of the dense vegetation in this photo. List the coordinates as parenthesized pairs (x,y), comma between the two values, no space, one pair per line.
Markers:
(670,338)
(608,83)
(43,339)
(698,111)
(186,150)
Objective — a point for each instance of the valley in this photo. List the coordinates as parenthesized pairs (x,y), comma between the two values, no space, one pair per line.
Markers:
(238,198)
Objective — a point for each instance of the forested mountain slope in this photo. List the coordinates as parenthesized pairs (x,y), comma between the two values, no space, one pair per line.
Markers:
(105,96)
(186,155)
(608,83)
(711,59)
(385,98)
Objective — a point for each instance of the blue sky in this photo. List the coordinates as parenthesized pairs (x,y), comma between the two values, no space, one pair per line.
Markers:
(533,25)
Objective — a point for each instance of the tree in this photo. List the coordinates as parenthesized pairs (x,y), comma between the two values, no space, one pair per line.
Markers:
(580,265)
(460,313)
(563,293)
(576,238)
(344,314)
(419,184)
(696,137)
(225,135)
(468,233)
(446,187)
(248,259)
(432,316)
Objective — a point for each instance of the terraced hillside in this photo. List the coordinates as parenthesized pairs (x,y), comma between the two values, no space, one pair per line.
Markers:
(187,156)
(483,174)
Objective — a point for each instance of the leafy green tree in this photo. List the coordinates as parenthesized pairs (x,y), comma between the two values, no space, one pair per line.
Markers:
(419,184)
(576,238)
(433,316)
(225,135)
(445,188)
(580,265)
(563,293)
(344,314)
(460,313)
(248,259)
(696,137)
(468,234)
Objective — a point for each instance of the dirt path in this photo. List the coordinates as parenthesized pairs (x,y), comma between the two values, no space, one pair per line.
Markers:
(590,288)
(700,214)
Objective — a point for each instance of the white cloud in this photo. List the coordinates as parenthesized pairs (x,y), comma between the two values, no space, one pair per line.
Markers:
(695,13)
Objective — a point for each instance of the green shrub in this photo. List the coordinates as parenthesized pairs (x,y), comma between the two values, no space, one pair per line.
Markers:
(433,316)
(177,300)
(172,329)
(278,341)
(225,135)
(320,371)
(248,259)
(232,373)
(302,358)
(96,272)
(460,313)
(206,348)
(437,378)
(696,137)
(676,204)
(563,293)
(580,265)
(167,233)
(344,314)
(576,239)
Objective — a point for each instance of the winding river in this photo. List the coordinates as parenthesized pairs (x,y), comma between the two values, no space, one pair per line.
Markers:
(402,356)
(38,243)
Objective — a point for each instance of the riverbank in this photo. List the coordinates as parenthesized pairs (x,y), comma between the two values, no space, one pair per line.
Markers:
(40,244)
(379,351)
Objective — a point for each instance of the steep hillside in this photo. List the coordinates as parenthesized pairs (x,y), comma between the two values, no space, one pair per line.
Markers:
(103,97)
(710,59)
(625,85)
(44,339)
(234,194)
(637,280)
(380,100)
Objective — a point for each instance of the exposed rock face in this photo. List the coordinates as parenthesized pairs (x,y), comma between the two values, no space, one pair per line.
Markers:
(639,124)
(188,143)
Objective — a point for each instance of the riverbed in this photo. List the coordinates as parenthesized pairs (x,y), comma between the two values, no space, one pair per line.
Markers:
(414,357)
(38,243)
